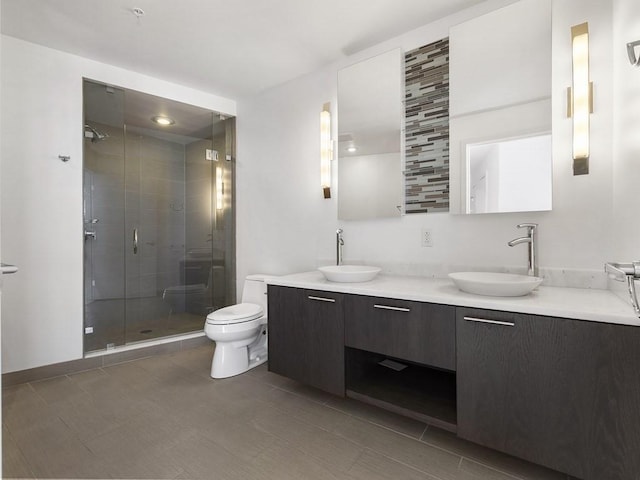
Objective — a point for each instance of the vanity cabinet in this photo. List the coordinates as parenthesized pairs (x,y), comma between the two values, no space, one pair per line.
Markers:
(414,331)
(558,392)
(306,337)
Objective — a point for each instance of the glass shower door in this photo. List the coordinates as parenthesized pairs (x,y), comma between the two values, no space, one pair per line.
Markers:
(158,300)
(103,216)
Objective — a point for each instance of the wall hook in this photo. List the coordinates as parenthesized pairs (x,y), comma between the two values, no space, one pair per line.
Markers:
(631,51)
(64,158)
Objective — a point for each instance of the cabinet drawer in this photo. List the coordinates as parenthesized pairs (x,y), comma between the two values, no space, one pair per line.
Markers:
(306,337)
(414,331)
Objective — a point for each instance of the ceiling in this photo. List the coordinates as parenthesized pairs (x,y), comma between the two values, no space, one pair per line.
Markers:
(233,48)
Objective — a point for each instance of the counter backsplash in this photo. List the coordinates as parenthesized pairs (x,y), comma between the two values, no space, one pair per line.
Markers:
(553,277)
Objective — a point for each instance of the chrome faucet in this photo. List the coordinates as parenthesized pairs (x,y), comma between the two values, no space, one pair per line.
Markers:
(339,245)
(531,239)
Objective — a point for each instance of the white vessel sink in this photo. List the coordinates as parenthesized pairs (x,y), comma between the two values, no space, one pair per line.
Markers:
(495,284)
(349,273)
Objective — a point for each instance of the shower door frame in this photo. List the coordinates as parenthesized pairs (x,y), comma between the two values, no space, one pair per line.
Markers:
(224,219)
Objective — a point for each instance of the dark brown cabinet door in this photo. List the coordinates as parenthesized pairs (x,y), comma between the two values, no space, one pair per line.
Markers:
(415,331)
(306,337)
(554,391)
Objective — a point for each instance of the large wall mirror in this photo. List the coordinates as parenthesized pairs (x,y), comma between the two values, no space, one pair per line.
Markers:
(369,138)
(500,117)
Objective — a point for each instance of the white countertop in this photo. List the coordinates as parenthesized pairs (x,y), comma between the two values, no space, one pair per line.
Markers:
(577,303)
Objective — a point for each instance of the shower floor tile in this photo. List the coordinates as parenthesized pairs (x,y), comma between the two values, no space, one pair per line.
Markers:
(147,318)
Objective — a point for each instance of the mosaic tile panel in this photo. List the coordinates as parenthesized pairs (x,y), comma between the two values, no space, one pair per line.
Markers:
(427,128)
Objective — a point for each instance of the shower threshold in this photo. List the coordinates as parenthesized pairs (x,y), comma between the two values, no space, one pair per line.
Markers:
(147,344)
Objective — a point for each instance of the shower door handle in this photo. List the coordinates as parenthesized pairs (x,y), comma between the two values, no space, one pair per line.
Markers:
(135,241)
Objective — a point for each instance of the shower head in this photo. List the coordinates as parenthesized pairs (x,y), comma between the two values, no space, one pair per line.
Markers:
(93,134)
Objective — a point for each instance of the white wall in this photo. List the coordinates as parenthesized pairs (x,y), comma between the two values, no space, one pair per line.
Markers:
(291,227)
(626,139)
(42,196)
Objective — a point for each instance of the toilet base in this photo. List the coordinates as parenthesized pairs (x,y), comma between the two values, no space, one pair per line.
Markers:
(230,360)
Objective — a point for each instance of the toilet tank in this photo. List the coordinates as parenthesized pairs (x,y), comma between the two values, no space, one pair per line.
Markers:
(255,291)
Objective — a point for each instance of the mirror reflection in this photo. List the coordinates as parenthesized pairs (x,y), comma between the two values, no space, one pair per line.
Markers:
(512,175)
(369,144)
(500,107)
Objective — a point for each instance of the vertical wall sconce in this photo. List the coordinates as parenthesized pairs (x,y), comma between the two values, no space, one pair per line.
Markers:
(219,189)
(580,98)
(326,150)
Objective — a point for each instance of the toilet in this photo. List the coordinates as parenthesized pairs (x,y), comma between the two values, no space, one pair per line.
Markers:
(240,331)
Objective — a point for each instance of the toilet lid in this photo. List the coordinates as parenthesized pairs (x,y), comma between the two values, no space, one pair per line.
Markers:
(242,312)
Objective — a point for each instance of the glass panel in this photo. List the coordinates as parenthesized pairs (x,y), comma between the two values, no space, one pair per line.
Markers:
(169,191)
(173,220)
(228,210)
(103,211)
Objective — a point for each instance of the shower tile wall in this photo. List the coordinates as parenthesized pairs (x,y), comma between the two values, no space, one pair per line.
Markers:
(155,204)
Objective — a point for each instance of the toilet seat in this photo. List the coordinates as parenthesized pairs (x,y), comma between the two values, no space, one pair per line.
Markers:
(242,312)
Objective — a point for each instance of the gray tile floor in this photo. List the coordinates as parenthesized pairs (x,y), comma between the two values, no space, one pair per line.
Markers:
(163,417)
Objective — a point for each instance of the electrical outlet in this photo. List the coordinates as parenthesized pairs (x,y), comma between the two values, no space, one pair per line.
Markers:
(427,238)
(88,330)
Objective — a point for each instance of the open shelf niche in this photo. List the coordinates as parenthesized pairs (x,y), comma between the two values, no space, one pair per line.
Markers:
(410,389)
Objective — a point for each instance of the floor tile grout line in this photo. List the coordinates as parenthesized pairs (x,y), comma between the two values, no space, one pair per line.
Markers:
(28,463)
(319,460)
(426,427)
(326,404)
(491,467)
(400,462)
(474,460)
(373,422)
(349,440)
(349,414)
(369,448)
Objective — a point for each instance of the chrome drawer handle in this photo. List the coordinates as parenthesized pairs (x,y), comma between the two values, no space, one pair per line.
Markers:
(492,322)
(322,299)
(395,309)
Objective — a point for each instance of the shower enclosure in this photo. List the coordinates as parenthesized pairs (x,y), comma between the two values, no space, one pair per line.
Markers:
(159,231)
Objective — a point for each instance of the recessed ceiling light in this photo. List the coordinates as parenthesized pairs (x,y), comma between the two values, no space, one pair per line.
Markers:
(351,149)
(162,120)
